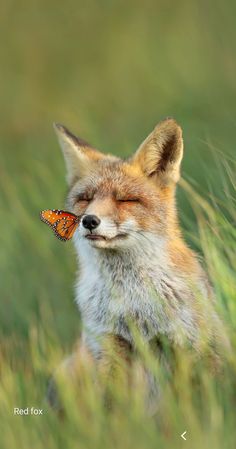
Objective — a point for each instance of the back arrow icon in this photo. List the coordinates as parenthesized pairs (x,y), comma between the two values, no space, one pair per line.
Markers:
(183,435)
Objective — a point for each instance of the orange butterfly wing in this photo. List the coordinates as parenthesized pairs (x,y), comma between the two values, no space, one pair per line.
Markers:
(62,223)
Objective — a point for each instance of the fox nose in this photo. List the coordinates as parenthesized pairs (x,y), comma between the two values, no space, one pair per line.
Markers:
(90,222)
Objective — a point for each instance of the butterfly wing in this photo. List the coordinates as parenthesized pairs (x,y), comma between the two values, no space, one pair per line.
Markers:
(65,228)
(62,223)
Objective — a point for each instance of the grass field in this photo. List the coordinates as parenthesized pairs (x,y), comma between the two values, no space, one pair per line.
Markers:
(110,70)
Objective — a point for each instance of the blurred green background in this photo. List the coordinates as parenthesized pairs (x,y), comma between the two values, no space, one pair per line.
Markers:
(109,70)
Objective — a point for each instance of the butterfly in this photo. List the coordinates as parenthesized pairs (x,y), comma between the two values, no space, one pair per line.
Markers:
(62,223)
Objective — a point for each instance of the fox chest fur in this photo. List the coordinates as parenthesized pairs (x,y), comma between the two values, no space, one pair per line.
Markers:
(115,290)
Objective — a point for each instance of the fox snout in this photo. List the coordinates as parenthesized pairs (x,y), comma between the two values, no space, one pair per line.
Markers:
(90,222)
(103,231)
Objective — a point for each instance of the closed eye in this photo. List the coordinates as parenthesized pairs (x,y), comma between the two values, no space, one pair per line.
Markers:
(84,196)
(128,200)
(82,200)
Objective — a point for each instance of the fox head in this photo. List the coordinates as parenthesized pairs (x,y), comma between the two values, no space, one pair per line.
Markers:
(123,203)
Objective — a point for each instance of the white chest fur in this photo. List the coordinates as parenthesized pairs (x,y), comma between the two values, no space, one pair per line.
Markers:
(117,288)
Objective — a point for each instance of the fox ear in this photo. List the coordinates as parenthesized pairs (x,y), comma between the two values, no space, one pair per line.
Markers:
(79,155)
(162,151)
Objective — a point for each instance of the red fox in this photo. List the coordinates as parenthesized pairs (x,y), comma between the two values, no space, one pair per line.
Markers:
(133,261)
